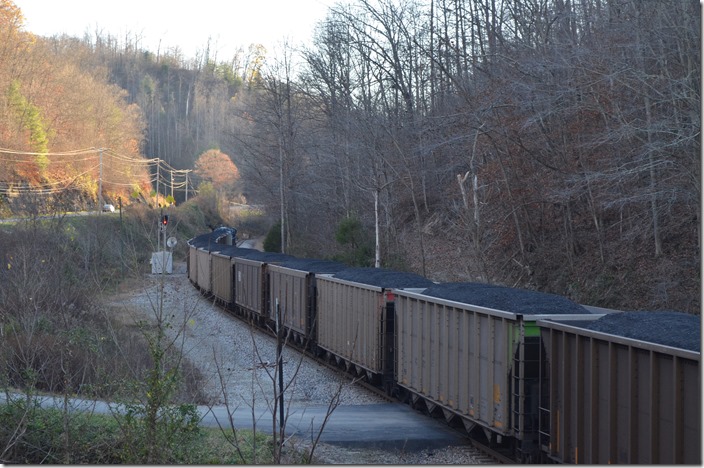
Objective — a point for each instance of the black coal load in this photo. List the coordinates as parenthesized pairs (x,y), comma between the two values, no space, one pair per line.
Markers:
(267,257)
(383,278)
(215,239)
(669,328)
(519,301)
(314,265)
(232,251)
(210,246)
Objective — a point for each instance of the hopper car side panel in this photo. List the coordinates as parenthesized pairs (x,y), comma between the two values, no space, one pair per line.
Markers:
(251,286)
(619,400)
(193,264)
(203,274)
(221,266)
(350,321)
(291,289)
(456,357)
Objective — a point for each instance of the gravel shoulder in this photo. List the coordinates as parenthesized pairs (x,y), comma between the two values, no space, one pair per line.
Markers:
(235,361)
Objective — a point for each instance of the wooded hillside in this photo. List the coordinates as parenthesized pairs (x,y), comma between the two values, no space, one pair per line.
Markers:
(56,114)
(546,144)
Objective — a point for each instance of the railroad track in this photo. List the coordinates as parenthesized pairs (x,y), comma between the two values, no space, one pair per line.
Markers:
(318,359)
(479,451)
(489,455)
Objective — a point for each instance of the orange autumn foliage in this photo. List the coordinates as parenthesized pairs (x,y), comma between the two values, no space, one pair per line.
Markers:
(216,167)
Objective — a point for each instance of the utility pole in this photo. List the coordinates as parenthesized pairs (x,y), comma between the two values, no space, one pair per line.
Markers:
(158,235)
(187,171)
(172,183)
(158,164)
(164,222)
(281,194)
(100,183)
(122,249)
(280,363)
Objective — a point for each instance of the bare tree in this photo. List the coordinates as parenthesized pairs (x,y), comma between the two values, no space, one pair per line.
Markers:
(275,385)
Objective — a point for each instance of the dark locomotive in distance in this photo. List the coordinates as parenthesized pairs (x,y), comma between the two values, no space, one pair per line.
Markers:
(533,373)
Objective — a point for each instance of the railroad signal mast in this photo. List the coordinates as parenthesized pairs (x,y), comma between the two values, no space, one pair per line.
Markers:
(162,228)
(161,259)
(162,231)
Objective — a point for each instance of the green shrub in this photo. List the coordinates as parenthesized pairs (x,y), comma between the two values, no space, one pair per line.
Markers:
(272,242)
(49,436)
(33,435)
(357,249)
(176,436)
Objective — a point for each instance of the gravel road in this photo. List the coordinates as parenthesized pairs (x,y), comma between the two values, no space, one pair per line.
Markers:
(236,358)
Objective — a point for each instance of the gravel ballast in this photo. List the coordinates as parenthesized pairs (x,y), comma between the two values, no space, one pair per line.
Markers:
(233,356)
(222,346)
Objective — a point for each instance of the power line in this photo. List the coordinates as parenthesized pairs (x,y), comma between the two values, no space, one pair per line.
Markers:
(61,153)
(104,157)
(46,189)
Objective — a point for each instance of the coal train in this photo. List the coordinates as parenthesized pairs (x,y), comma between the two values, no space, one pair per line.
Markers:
(533,373)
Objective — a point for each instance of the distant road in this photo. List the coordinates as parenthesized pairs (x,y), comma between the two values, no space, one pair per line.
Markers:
(247,243)
(255,243)
(60,215)
(385,425)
